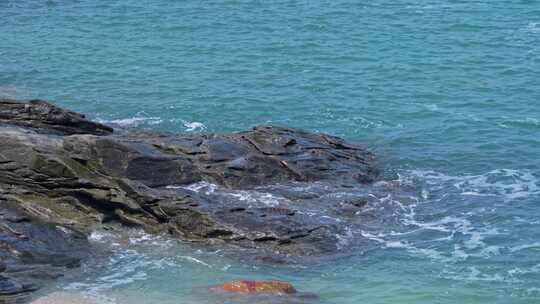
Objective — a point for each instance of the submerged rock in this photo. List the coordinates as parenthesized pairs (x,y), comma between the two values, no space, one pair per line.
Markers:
(61,176)
(256,287)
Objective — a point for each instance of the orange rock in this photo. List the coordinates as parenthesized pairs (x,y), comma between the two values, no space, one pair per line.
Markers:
(257,287)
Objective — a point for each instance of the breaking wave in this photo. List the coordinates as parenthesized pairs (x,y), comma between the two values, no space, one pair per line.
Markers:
(142,119)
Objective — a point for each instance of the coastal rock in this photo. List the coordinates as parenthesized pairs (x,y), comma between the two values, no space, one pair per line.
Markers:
(44,117)
(32,252)
(61,176)
(256,287)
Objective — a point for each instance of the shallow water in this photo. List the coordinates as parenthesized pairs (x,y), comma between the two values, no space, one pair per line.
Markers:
(446,93)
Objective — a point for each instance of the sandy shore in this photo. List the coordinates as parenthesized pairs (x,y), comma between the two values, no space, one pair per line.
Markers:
(63,298)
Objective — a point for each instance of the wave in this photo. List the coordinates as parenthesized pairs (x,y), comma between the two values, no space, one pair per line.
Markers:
(132,255)
(533,27)
(132,122)
(405,213)
(417,214)
(507,183)
(437,224)
(142,119)
(253,198)
(525,247)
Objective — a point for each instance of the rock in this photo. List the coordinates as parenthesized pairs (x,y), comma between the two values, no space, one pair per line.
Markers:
(61,176)
(350,208)
(2,266)
(33,252)
(44,117)
(9,288)
(256,287)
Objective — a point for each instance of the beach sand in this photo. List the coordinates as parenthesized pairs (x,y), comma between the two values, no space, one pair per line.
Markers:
(63,298)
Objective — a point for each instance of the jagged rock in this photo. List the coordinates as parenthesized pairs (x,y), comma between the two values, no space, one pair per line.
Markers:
(44,117)
(63,176)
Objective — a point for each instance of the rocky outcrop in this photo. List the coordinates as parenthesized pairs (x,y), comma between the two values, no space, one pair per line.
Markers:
(44,117)
(32,251)
(62,176)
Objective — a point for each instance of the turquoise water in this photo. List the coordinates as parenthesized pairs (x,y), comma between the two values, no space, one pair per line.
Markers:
(447,93)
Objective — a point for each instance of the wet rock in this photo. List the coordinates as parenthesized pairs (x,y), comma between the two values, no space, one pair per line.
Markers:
(256,287)
(9,287)
(350,208)
(44,117)
(33,252)
(61,176)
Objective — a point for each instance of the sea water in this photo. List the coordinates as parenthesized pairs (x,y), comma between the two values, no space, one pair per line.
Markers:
(446,93)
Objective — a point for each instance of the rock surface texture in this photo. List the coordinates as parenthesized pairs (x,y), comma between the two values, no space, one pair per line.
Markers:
(61,176)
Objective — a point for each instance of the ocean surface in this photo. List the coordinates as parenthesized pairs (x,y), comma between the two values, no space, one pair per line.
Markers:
(446,93)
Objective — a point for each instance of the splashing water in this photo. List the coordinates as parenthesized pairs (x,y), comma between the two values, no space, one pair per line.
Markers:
(424,217)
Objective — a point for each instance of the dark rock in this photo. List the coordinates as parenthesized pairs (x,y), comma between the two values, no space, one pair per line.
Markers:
(32,252)
(350,208)
(63,176)
(162,171)
(9,287)
(43,117)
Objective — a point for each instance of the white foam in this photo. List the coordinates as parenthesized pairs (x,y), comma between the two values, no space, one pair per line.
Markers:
(132,122)
(533,27)
(142,118)
(459,254)
(194,126)
(526,246)
(200,187)
(476,275)
(457,230)
(516,271)
(195,260)
(430,253)
(345,238)
(252,197)
(100,236)
(506,183)
(127,264)
(473,246)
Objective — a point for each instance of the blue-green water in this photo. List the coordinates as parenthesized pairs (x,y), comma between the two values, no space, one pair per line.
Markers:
(447,93)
